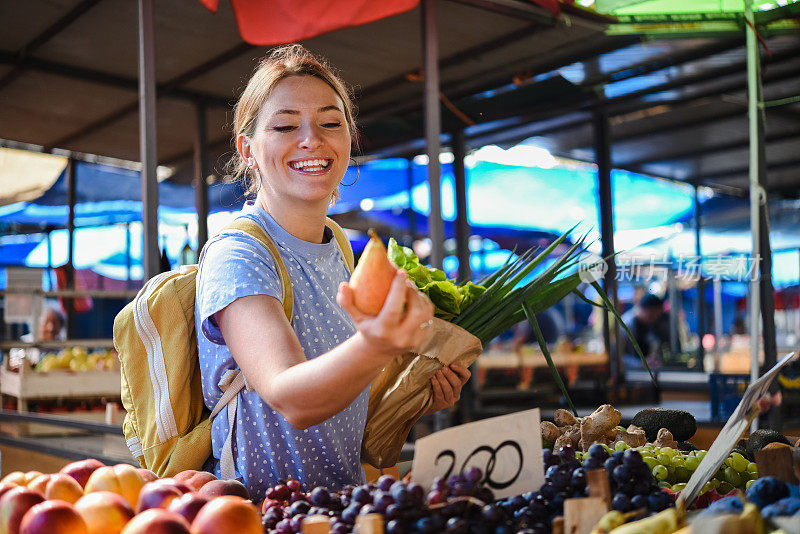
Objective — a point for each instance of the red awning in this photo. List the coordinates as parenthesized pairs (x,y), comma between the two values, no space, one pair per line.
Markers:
(286,21)
(273,22)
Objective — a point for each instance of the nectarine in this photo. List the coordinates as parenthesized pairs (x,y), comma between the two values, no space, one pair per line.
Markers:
(104,512)
(13,505)
(194,479)
(122,479)
(147,475)
(157,521)
(156,495)
(82,470)
(52,517)
(216,488)
(63,487)
(228,514)
(188,505)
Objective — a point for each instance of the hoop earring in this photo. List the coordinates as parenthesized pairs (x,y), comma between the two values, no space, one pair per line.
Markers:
(358,174)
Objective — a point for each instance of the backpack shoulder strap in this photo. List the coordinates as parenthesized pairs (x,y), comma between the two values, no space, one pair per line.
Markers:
(252,228)
(342,242)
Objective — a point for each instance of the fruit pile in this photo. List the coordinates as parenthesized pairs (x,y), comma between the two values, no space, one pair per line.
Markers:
(88,497)
(77,359)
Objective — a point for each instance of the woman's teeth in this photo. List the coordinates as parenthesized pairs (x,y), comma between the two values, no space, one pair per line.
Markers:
(310,164)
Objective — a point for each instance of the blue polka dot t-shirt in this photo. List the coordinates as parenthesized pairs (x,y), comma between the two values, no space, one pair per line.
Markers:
(266,448)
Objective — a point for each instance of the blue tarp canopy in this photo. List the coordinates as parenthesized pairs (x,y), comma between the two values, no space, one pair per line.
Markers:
(108,195)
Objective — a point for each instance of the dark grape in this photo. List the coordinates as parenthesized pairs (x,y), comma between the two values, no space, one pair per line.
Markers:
(639,501)
(425,525)
(319,496)
(294,485)
(416,494)
(385,482)
(566,453)
(382,501)
(394,527)
(491,513)
(621,502)
(349,514)
(473,475)
(361,495)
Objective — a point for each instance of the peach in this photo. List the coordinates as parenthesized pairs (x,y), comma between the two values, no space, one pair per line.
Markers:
(63,487)
(39,483)
(21,479)
(228,514)
(82,470)
(188,505)
(157,494)
(13,505)
(216,488)
(157,521)
(104,512)
(194,479)
(147,475)
(122,479)
(5,486)
(52,517)
(372,277)
(171,482)
(14,477)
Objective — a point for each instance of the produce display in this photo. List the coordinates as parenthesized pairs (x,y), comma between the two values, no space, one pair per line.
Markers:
(77,359)
(593,457)
(87,497)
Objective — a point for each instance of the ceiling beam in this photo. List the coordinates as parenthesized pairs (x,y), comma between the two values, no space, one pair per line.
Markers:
(48,33)
(168,88)
(696,152)
(742,171)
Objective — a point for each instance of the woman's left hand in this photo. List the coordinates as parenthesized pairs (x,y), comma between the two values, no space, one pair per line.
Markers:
(447,384)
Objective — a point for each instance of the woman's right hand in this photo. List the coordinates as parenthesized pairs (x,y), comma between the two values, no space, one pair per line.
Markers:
(400,325)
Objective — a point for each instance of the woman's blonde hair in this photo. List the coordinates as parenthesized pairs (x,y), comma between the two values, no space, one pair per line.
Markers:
(283,62)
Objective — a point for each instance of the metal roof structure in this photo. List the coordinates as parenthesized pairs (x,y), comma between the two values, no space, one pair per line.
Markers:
(68,81)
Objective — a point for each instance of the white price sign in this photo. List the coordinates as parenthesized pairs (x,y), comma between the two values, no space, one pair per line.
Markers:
(507,449)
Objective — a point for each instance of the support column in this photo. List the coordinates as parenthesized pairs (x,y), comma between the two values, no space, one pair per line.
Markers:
(69,303)
(458,142)
(412,215)
(701,281)
(147,140)
(762,292)
(433,128)
(200,175)
(602,147)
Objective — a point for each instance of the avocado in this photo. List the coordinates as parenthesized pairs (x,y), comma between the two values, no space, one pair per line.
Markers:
(685,446)
(763,437)
(744,452)
(682,425)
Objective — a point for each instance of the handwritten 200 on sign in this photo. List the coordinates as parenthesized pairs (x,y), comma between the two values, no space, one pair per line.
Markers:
(507,449)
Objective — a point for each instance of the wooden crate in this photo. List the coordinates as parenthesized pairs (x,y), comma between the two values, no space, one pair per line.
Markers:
(26,384)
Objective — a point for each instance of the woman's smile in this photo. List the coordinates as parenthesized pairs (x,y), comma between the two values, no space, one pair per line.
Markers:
(311,166)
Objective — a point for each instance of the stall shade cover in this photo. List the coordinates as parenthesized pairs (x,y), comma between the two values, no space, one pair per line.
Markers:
(286,21)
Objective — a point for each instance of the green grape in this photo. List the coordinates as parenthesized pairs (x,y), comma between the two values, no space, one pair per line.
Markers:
(691,463)
(650,461)
(752,468)
(608,449)
(669,451)
(620,446)
(715,482)
(700,455)
(663,459)
(677,461)
(678,487)
(660,472)
(733,477)
(708,486)
(738,462)
(682,474)
(724,488)
(747,485)
(664,484)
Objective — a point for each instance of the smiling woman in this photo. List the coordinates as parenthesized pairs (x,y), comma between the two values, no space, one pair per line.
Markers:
(303,413)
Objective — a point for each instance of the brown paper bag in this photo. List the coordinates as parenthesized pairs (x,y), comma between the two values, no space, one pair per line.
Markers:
(402,392)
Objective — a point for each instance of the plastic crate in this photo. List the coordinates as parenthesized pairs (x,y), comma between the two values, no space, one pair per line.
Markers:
(726,392)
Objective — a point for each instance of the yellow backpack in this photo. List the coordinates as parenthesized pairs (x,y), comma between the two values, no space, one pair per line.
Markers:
(167,426)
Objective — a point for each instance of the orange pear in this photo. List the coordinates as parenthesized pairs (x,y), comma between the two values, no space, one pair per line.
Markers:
(372,277)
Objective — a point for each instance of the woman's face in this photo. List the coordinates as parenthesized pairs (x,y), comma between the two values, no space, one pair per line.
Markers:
(301,141)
